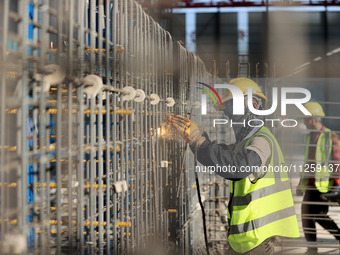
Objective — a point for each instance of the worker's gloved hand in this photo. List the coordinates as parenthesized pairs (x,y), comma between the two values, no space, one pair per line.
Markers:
(188,129)
(333,196)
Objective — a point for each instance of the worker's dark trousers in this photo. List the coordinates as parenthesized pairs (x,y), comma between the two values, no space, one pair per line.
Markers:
(316,213)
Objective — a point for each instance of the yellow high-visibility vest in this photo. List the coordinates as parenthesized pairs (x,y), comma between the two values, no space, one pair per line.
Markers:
(262,209)
(321,171)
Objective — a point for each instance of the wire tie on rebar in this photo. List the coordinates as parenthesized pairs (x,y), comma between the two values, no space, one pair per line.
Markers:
(124,224)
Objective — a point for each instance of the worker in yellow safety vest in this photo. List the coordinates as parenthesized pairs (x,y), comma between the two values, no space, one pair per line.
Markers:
(261,206)
(322,158)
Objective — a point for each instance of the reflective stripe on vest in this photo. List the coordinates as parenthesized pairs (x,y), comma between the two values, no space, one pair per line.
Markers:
(322,155)
(263,209)
(260,193)
(260,222)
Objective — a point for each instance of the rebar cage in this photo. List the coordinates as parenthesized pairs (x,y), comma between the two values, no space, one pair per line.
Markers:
(85,164)
(88,164)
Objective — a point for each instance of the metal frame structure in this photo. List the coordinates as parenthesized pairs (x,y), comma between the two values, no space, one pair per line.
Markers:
(82,169)
(239,3)
(88,164)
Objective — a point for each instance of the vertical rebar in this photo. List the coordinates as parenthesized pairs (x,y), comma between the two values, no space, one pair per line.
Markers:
(114,134)
(58,167)
(3,226)
(44,36)
(99,125)
(108,155)
(24,117)
(80,131)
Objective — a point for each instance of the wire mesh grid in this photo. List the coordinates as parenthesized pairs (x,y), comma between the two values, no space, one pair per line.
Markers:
(86,164)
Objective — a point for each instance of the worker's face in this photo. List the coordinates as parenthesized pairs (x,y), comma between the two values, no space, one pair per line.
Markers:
(310,123)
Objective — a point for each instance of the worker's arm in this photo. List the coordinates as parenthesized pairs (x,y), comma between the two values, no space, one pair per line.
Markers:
(213,154)
(256,154)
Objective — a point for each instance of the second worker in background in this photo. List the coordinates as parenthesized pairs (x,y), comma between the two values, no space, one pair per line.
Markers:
(322,156)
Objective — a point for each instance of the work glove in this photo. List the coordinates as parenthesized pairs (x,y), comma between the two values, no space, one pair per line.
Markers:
(333,196)
(188,129)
